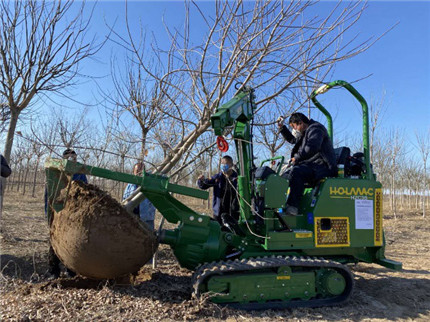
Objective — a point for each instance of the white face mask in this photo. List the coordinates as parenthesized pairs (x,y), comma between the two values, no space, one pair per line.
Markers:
(296,133)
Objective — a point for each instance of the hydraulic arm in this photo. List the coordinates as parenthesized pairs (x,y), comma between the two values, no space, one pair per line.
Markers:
(238,113)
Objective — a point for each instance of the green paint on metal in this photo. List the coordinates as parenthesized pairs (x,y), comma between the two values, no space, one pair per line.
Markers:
(278,166)
(397,266)
(238,112)
(332,282)
(365,109)
(292,240)
(155,187)
(239,108)
(262,287)
(274,191)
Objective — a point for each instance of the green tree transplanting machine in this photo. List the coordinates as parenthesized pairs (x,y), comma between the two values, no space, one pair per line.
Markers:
(267,260)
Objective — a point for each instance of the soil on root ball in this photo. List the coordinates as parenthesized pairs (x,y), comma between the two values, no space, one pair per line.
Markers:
(95,237)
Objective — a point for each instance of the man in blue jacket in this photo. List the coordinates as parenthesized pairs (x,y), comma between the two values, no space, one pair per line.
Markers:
(69,154)
(225,203)
(312,156)
(146,210)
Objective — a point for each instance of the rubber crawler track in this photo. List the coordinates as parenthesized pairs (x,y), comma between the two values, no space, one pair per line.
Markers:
(205,271)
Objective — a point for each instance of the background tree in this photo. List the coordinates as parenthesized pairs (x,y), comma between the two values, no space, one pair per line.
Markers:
(137,96)
(40,51)
(38,151)
(267,134)
(396,152)
(377,109)
(423,144)
(272,46)
(4,114)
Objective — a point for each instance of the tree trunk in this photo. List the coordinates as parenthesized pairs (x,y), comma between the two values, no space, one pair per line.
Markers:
(11,179)
(143,145)
(18,186)
(409,194)
(427,201)
(27,170)
(10,134)
(393,194)
(424,192)
(9,141)
(35,177)
(417,200)
(181,148)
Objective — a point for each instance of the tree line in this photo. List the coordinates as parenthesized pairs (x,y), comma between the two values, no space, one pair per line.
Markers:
(401,171)
(158,110)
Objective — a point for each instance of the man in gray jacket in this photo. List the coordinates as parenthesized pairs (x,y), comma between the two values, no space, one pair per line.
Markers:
(312,156)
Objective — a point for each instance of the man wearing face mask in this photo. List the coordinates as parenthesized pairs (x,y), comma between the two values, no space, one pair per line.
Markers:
(312,157)
(225,203)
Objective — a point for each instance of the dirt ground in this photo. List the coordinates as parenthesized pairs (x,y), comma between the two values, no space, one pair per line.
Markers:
(164,293)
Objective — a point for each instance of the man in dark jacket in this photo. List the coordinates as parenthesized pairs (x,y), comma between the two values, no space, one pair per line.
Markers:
(312,156)
(5,169)
(225,203)
(5,172)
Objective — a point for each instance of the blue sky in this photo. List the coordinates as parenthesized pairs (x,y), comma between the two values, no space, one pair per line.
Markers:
(398,64)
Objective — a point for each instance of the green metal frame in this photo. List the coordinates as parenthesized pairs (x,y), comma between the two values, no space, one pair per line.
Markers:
(278,170)
(357,95)
(156,188)
(238,112)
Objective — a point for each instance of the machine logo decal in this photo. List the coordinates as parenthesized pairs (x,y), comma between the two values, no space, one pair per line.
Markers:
(351,192)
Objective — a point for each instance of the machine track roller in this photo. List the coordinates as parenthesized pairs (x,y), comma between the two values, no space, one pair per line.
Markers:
(274,282)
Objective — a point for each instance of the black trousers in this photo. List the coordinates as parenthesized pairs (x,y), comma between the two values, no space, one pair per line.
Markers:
(301,174)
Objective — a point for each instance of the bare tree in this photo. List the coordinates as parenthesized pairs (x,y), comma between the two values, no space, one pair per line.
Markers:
(269,45)
(40,51)
(72,131)
(377,112)
(395,148)
(28,156)
(410,173)
(38,151)
(268,134)
(17,161)
(138,96)
(4,114)
(423,144)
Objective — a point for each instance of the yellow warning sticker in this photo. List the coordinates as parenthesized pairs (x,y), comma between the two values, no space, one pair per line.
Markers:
(303,235)
(378,218)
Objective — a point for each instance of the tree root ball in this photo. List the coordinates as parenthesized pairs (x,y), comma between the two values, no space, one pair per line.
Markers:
(94,235)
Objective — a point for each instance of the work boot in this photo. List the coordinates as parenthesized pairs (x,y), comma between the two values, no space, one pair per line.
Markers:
(291,211)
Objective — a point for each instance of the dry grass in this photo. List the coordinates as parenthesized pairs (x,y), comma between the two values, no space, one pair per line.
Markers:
(165,293)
